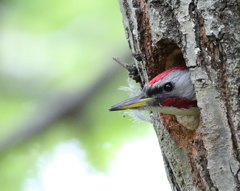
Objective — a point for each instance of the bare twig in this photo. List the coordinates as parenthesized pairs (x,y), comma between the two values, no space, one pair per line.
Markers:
(132,70)
(122,63)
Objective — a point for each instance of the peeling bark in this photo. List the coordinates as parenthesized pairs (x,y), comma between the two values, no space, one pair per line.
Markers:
(206,36)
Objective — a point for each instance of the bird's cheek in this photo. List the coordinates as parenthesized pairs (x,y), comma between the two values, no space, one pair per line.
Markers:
(155,101)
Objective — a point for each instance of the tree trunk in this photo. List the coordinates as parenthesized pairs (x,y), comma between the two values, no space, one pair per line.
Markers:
(206,36)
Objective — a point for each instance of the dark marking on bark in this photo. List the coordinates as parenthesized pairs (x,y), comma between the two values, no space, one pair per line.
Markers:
(203,162)
(191,9)
(234,132)
(171,173)
(149,52)
(223,81)
(128,13)
(137,56)
(235,177)
(226,95)
(196,172)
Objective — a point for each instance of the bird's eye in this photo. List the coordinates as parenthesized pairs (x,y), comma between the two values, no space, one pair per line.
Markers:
(168,87)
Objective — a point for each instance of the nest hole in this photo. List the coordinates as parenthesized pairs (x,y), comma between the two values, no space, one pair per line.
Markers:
(170,54)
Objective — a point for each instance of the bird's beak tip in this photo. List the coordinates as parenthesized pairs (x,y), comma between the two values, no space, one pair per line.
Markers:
(113,109)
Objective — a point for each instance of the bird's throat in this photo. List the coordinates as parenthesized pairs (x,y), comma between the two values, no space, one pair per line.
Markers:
(172,110)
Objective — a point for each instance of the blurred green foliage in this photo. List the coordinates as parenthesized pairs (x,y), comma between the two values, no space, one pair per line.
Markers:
(54,48)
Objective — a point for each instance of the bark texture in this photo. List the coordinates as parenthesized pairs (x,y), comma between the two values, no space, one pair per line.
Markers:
(206,36)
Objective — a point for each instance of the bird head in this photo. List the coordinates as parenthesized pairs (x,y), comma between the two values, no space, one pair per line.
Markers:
(170,92)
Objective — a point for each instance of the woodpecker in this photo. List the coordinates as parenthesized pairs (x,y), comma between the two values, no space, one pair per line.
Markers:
(170,92)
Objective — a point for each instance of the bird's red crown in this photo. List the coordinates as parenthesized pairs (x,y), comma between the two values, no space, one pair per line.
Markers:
(165,73)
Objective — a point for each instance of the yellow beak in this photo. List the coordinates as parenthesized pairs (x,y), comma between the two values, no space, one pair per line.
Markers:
(132,103)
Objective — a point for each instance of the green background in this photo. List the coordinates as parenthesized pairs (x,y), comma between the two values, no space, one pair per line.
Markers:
(57,81)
